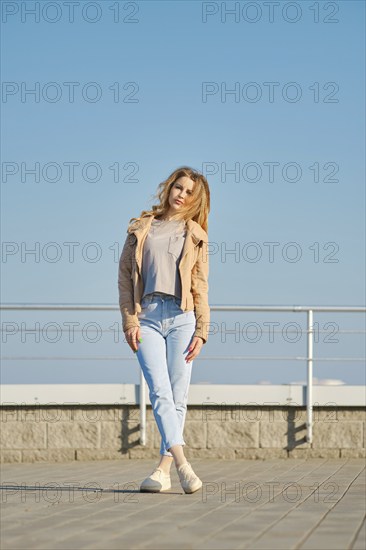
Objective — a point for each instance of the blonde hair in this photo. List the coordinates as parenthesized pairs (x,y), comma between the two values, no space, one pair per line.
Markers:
(198,206)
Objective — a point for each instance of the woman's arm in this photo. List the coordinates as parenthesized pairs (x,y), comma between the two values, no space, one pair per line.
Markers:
(125,285)
(199,289)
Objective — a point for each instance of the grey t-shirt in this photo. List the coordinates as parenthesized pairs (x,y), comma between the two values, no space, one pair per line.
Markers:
(161,255)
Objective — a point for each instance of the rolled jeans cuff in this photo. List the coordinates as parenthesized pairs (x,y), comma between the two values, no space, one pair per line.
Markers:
(169,445)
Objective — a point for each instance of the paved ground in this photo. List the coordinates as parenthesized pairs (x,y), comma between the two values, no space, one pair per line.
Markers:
(253,504)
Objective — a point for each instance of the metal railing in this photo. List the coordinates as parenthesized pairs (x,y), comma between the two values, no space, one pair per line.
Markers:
(309,358)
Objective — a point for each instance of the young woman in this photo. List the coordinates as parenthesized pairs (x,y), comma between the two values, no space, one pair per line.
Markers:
(163,298)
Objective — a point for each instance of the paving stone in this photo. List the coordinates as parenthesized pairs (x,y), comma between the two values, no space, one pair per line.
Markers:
(307,503)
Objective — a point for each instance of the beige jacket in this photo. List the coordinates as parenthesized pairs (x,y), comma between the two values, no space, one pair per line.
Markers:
(193,269)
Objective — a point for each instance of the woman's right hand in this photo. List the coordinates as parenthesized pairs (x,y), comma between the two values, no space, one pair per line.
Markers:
(133,336)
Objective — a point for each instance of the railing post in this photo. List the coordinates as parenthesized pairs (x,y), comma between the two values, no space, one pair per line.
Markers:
(142,409)
(309,387)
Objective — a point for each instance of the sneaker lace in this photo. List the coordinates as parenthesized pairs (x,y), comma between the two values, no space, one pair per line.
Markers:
(161,473)
(187,472)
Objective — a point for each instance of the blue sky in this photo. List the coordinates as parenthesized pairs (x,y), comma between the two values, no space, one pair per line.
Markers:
(161,64)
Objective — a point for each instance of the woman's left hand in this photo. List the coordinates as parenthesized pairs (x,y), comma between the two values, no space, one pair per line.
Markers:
(194,349)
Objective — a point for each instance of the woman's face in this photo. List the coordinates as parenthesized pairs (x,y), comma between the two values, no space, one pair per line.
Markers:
(180,194)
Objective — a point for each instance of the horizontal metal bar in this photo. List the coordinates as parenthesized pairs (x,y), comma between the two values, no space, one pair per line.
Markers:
(215,358)
(113,307)
(249,331)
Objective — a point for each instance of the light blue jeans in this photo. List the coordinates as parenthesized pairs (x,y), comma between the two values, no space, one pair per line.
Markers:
(166,332)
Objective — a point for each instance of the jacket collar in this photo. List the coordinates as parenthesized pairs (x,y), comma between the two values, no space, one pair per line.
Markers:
(142,226)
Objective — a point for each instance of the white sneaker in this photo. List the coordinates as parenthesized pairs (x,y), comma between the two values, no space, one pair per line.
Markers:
(188,479)
(156,482)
